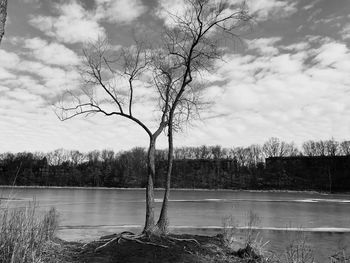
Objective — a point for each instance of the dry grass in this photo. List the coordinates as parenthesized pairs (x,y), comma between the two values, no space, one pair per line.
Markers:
(340,257)
(25,233)
(298,249)
(230,232)
(252,247)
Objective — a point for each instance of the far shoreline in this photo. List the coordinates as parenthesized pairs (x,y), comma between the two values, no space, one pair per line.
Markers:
(173,189)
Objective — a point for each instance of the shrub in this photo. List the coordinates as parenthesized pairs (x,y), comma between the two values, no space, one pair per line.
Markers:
(298,251)
(252,247)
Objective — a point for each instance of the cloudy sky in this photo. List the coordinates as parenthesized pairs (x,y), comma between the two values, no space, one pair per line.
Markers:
(289,78)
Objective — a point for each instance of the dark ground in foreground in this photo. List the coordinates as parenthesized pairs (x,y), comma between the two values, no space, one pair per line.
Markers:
(208,249)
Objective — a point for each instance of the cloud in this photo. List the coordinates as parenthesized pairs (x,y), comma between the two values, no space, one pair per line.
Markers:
(300,46)
(311,5)
(23,96)
(314,15)
(262,10)
(4,74)
(331,53)
(73,24)
(282,87)
(167,6)
(55,80)
(8,59)
(345,32)
(51,53)
(37,77)
(282,94)
(119,11)
(271,9)
(36,3)
(33,85)
(265,46)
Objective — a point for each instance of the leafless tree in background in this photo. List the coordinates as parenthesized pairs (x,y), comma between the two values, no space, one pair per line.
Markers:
(276,148)
(326,148)
(58,156)
(3,15)
(309,148)
(248,156)
(76,157)
(332,147)
(345,147)
(320,148)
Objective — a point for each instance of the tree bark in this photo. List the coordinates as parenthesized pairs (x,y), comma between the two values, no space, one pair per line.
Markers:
(3,14)
(163,221)
(149,223)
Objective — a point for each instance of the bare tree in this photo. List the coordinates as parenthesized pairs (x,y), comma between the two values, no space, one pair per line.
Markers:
(320,148)
(57,157)
(309,148)
(110,79)
(249,156)
(76,157)
(345,147)
(190,46)
(94,156)
(332,147)
(193,43)
(276,148)
(272,148)
(107,155)
(3,15)
(256,153)
(290,149)
(242,156)
(324,148)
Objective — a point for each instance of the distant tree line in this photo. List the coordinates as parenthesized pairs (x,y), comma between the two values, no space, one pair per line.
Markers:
(210,167)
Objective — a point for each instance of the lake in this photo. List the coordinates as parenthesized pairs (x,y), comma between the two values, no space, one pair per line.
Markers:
(86,214)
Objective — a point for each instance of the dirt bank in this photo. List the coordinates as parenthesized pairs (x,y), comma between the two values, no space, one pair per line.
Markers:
(176,249)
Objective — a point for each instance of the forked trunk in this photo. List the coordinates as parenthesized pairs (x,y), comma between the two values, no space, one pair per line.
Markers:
(149,223)
(163,221)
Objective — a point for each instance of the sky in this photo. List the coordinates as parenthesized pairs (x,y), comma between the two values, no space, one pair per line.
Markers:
(289,77)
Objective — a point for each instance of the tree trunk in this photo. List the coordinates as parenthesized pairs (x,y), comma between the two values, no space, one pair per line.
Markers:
(163,221)
(3,14)
(149,223)
(330,179)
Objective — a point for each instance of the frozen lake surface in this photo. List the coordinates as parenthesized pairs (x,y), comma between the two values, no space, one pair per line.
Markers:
(90,213)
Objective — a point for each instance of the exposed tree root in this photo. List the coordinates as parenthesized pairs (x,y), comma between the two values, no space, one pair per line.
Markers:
(126,236)
(163,241)
(183,239)
(137,240)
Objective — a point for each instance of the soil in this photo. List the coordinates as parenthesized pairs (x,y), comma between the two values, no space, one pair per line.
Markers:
(175,249)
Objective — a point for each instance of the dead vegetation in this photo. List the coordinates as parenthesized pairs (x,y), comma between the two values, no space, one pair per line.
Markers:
(25,233)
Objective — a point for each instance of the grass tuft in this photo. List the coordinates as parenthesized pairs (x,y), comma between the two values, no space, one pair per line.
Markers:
(25,233)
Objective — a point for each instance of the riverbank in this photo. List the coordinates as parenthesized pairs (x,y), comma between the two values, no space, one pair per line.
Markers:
(175,249)
(180,249)
(178,189)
